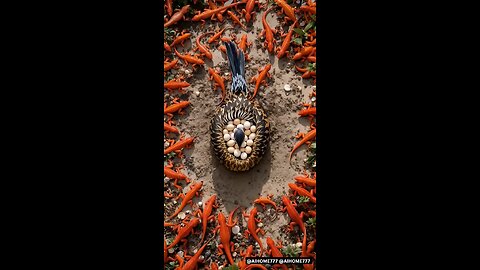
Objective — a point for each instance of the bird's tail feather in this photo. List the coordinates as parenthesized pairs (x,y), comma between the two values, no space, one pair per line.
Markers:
(236,59)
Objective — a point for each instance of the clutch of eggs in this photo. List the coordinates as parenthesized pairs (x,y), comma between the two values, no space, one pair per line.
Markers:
(244,150)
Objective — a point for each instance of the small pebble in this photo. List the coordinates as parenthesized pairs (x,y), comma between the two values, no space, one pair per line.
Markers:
(287,87)
(250,142)
(201,257)
(226,137)
(236,121)
(299,244)
(230,127)
(180,253)
(234,254)
(181,215)
(200,203)
(171,250)
(248,150)
(231,143)
(197,93)
(195,250)
(166,144)
(260,225)
(243,155)
(174,202)
(313,99)
(230,150)
(236,229)
(247,124)
(236,153)
(251,136)
(253,128)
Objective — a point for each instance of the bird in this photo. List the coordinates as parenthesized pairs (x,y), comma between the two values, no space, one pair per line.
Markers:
(238,106)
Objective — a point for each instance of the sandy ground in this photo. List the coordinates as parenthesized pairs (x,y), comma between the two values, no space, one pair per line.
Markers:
(274,171)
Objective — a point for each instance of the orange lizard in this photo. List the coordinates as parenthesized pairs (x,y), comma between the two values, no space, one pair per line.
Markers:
(179,145)
(169,128)
(212,5)
(247,253)
(296,219)
(218,81)
(261,78)
(175,84)
(177,16)
(267,31)
(264,201)
(190,59)
(166,47)
(236,20)
(225,234)
(180,39)
(177,107)
(243,44)
(213,266)
(202,48)
(207,210)
(249,9)
(193,262)
(187,197)
(286,43)
(210,13)
(302,191)
(175,175)
(275,252)
(217,35)
(169,65)
(184,232)
(287,9)
(310,136)
(252,228)
(309,111)
(306,51)
(168,5)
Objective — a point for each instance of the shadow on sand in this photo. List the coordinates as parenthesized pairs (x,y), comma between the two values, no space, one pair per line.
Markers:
(240,188)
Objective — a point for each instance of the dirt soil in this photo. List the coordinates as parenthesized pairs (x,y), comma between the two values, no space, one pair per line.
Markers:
(274,171)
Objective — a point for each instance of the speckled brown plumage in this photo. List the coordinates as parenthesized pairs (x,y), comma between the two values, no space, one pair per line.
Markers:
(242,108)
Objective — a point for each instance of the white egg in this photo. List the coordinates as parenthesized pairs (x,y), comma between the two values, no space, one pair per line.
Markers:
(236,146)
(231,150)
(251,136)
(225,131)
(243,156)
(236,121)
(231,135)
(242,121)
(247,132)
(247,125)
(240,126)
(231,143)
(246,138)
(248,150)
(236,153)
(242,149)
(253,128)
(244,143)
(230,127)
(235,130)
(249,142)
(230,122)
(226,137)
